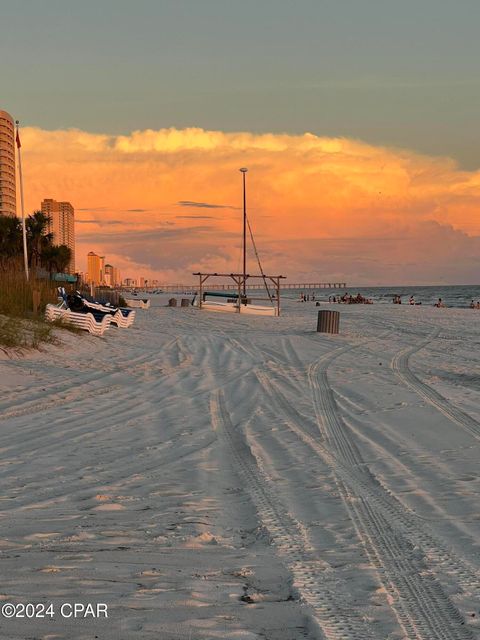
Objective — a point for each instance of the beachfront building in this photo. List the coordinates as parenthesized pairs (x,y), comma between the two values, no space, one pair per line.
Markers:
(109,275)
(112,276)
(61,225)
(96,269)
(7,165)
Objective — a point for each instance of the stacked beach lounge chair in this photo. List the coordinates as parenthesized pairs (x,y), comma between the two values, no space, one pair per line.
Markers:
(94,317)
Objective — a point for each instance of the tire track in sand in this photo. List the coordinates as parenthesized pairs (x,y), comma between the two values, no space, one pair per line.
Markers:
(401,367)
(422,608)
(360,478)
(314,579)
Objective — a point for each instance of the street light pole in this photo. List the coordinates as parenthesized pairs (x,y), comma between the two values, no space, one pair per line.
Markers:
(244,171)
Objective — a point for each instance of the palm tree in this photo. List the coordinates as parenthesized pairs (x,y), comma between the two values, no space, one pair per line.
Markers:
(40,248)
(38,238)
(10,240)
(56,258)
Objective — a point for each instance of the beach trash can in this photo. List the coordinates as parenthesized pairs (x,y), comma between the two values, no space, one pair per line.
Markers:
(172,302)
(185,302)
(328,321)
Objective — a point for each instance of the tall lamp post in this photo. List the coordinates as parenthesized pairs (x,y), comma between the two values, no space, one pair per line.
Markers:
(244,171)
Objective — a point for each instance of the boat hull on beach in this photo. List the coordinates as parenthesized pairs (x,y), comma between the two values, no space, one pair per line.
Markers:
(137,303)
(234,307)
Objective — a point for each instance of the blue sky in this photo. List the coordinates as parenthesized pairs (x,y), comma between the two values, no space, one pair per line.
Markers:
(388,72)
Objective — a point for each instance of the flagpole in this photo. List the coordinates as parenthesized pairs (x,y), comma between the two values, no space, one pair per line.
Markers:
(244,171)
(24,229)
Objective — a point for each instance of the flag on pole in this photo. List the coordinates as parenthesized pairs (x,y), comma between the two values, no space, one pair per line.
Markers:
(24,228)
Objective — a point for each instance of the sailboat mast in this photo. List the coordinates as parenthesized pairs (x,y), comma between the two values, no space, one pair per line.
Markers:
(244,171)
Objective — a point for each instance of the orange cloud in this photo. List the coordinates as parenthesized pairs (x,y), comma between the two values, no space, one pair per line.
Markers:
(164,203)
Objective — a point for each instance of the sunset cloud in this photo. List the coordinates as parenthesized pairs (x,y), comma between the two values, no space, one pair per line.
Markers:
(204,205)
(321,208)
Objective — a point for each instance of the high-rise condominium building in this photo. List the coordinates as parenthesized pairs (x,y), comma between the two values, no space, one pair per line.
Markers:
(96,269)
(62,225)
(7,165)
(109,275)
(112,276)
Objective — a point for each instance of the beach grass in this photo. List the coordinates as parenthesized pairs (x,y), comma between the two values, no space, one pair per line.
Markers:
(18,333)
(22,307)
(17,294)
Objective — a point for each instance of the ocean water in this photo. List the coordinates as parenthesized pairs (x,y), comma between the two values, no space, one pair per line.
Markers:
(458,296)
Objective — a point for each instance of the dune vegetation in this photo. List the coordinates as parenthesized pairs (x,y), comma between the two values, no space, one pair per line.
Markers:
(22,301)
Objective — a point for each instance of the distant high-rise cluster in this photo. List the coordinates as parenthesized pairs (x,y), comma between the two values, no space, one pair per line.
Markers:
(61,225)
(100,273)
(7,165)
(140,282)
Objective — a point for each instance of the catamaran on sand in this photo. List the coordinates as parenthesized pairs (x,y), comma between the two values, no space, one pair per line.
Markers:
(233,296)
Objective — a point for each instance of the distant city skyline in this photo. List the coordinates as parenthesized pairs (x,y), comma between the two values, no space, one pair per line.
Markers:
(100,273)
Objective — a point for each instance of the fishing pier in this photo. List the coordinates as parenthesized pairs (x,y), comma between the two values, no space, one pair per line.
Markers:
(229,286)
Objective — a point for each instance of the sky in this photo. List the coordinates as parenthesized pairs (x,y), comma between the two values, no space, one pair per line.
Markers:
(357,120)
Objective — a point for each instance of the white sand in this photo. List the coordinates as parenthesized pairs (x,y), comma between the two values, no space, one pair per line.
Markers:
(212,475)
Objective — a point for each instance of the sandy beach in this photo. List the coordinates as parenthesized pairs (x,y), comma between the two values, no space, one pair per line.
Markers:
(218,476)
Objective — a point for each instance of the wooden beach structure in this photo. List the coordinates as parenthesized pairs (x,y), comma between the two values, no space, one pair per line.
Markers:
(240,301)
